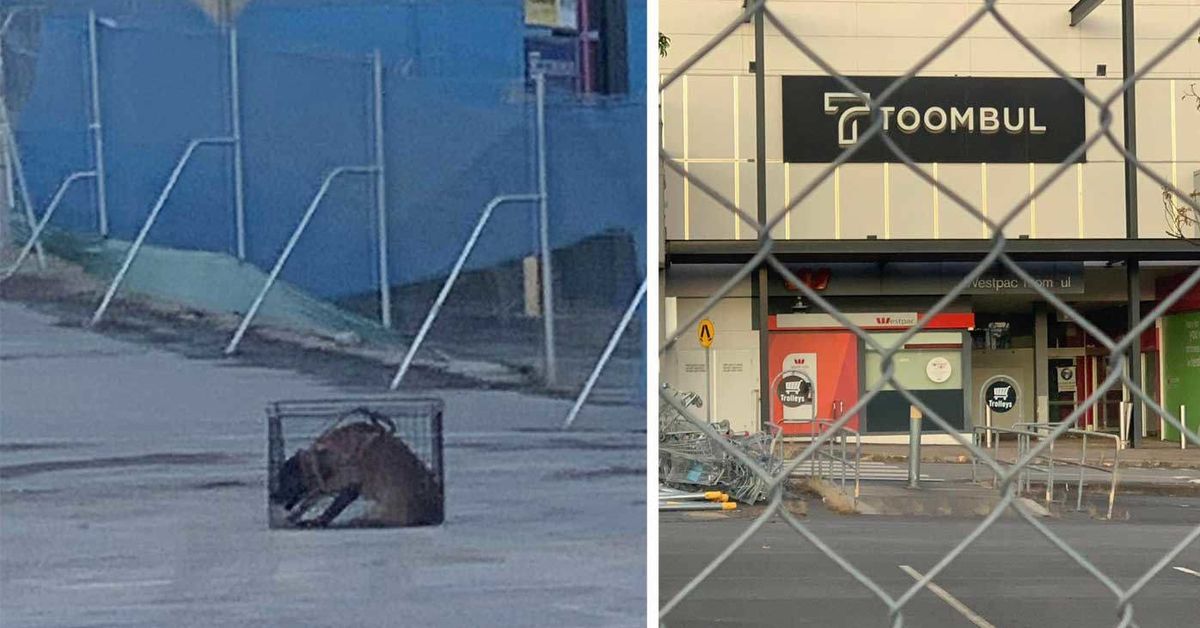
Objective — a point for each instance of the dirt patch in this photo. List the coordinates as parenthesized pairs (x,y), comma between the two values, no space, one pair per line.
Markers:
(64,292)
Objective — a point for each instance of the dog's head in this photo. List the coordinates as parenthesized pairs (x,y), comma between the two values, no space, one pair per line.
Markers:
(294,481)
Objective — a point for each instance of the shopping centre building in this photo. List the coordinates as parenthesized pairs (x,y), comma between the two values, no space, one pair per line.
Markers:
(989,121)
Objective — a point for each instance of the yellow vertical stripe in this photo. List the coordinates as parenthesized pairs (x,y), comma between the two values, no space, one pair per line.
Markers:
(1174,141)
(787,199)
(837,203)
(687,196)
(737,166)
(1032,203)
(983,196)
(937,202)
(887,201)
(1079,196)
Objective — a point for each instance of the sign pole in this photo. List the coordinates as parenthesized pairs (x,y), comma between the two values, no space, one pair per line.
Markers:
(708,383)
(706,332)
(551,365)
(987,421)
(914,447)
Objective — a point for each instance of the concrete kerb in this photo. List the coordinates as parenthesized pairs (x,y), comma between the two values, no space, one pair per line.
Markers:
(894,499)
(1147,458)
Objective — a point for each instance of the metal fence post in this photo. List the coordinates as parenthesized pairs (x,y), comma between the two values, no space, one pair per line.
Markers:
(235,116)
(385,288)
(97,126)
(18,174)
(551,374)
(604,357)
(7,202)
(914,447)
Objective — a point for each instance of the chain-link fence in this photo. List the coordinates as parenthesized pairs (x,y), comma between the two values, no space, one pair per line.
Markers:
(998,253)
(353,175)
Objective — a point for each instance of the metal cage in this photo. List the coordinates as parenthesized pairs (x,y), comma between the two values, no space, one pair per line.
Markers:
(413,425)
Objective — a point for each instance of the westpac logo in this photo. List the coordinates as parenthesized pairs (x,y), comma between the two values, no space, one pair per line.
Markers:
(850,110)
(896,321)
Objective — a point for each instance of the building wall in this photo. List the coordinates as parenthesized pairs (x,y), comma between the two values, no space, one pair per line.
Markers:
(709,119)
(733,376)
(1016,364)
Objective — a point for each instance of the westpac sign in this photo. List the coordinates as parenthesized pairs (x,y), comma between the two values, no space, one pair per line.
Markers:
(935,119)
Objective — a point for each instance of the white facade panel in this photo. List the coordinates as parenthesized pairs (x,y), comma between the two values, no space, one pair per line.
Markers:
(886,38)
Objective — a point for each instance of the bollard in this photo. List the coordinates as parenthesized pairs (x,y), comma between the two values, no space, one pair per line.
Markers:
(1183,426)
(914,447)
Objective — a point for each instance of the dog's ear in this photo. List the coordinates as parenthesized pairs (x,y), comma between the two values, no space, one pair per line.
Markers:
(292,484)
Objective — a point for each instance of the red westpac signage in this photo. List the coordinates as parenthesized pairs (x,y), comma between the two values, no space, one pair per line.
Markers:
(872,321)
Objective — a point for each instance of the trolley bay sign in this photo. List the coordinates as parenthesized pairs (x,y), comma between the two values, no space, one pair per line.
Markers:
(935,119)
(1000,395)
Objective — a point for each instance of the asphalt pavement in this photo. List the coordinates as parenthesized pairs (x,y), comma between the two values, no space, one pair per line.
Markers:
(1011,576)
(132,493)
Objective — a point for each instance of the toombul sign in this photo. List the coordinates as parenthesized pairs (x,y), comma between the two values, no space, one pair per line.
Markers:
(935,119)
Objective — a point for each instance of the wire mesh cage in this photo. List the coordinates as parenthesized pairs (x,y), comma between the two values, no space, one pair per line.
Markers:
(355,462)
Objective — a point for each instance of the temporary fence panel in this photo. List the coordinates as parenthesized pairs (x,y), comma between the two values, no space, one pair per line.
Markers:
(455,125)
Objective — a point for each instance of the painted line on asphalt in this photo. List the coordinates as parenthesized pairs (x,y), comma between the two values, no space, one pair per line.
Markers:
(1187,571)
(971,615)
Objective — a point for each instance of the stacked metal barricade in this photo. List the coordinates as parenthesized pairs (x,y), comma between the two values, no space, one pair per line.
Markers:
(693,458)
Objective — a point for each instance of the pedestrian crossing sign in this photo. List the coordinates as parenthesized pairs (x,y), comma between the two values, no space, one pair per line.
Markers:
(706,332)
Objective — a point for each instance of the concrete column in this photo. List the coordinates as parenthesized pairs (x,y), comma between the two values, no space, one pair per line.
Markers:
(1041,363)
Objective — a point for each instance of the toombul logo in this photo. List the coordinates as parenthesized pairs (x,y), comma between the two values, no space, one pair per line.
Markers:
(850,109)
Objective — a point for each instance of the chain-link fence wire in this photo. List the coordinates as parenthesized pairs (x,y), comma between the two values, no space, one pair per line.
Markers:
(996,254)
(459,128)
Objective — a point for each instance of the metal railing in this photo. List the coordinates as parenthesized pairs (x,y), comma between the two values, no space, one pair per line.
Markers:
(833,459)
(1025,434)
(1118,445)
(759,13)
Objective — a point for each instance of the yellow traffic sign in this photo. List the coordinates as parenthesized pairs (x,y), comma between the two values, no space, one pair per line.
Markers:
(706,332)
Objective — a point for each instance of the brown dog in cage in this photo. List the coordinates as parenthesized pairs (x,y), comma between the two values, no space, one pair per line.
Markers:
(359,459)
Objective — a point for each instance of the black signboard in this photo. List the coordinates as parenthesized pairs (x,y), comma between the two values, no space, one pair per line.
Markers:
(795,390)
(1001,395)
(935,119)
